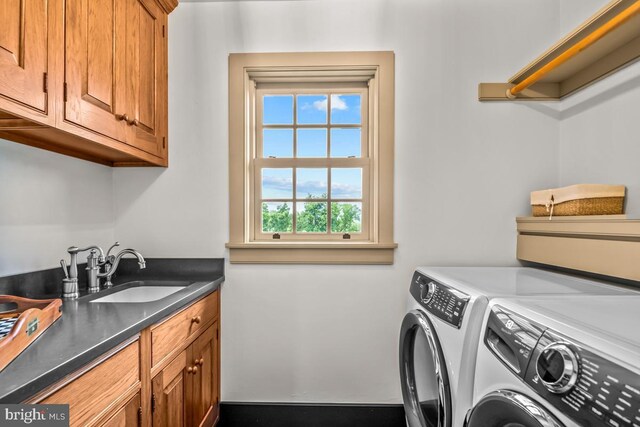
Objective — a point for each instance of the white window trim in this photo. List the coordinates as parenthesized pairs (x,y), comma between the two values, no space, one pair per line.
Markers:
(340,69)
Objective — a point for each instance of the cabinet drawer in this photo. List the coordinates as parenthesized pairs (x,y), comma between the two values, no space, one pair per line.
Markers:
(99,390)
(171,334)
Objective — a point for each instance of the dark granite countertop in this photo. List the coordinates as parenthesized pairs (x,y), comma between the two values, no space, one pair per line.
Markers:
(87,330)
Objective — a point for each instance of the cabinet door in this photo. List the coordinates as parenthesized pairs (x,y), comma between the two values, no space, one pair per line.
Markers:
(24,32)
(205,381)
(128,416)
(146,75)
(169,398)
(94,66)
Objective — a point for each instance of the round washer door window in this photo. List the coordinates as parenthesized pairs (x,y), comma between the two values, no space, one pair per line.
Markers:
(504,408)
(425,384)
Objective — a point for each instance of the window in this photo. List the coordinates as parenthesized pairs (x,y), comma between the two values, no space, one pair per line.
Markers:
(311,157)
(311,168)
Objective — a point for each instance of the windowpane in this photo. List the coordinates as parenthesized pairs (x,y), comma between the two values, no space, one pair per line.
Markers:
(346,142)
(277,143)
(278,110)
(311,183)
(346,217)
(312,109)
(311,217)
(277,217)
(346,109)
(312,143)
(346,183)
(277,183)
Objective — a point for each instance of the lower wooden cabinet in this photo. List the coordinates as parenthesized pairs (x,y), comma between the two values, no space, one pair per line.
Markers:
(169,394)
(130,415)
(186,391)
(125,388)
(100,388)
(203,382)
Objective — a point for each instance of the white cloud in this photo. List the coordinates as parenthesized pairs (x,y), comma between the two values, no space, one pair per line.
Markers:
(346,191)
(320,105)
(315,188)
(337,103)
(277,187)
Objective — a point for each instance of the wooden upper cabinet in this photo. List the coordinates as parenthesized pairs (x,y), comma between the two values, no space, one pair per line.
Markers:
(86,78)
(146,75)
(94,66)
(24,33)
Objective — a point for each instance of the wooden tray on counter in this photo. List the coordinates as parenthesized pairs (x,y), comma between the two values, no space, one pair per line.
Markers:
(22,320)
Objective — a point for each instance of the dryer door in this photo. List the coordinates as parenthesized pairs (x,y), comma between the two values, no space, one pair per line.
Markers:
(505,408)
(423,373)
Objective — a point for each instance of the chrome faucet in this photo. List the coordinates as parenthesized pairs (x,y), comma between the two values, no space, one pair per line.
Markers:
(70,282)
(95,261)
(113,262)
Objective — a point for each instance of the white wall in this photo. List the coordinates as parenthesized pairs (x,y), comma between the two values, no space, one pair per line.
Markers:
(463,172)
(49,202)
(600,126)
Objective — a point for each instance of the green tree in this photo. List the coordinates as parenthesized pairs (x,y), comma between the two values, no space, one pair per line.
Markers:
(280,220)
(313,219)
(345,218)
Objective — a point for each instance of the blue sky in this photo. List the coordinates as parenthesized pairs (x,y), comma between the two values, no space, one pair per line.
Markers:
(312,109)
(277,183)
(312,142)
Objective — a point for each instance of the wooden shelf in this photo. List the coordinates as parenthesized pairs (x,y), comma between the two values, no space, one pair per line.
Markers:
(607,245)
(616,49)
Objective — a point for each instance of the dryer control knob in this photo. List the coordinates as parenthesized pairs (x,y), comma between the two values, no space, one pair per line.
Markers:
(427,292)
(558,367)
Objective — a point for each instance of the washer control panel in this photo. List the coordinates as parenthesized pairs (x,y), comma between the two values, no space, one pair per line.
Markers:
(512,338)
(442,301)
(587,387)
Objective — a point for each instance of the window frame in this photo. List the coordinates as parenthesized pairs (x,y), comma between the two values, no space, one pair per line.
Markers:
(343,73)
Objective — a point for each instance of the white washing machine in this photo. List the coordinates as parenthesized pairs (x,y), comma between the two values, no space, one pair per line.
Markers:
(559,362)
(440,333)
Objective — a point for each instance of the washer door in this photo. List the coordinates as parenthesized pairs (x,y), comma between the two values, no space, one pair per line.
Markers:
(505,408)
(425,384)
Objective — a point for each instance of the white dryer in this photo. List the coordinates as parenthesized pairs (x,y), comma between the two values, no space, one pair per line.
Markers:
(440,333)
(559,362)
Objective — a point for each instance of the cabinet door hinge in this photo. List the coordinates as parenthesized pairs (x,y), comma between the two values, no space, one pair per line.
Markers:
(45,83)
(139,415)
(164,142)
(163,31)
(217,330)
(64,90)
(153,402)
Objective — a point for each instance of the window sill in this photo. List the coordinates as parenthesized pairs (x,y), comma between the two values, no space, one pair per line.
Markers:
(311,253)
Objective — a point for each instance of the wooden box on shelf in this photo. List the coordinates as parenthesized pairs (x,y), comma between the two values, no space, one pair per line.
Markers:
(608,245)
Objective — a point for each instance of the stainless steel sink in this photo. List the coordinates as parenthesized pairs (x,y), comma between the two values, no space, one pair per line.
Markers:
(145,291)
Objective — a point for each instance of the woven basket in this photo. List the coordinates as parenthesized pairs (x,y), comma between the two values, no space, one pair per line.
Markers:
(597,206)
(577,200)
